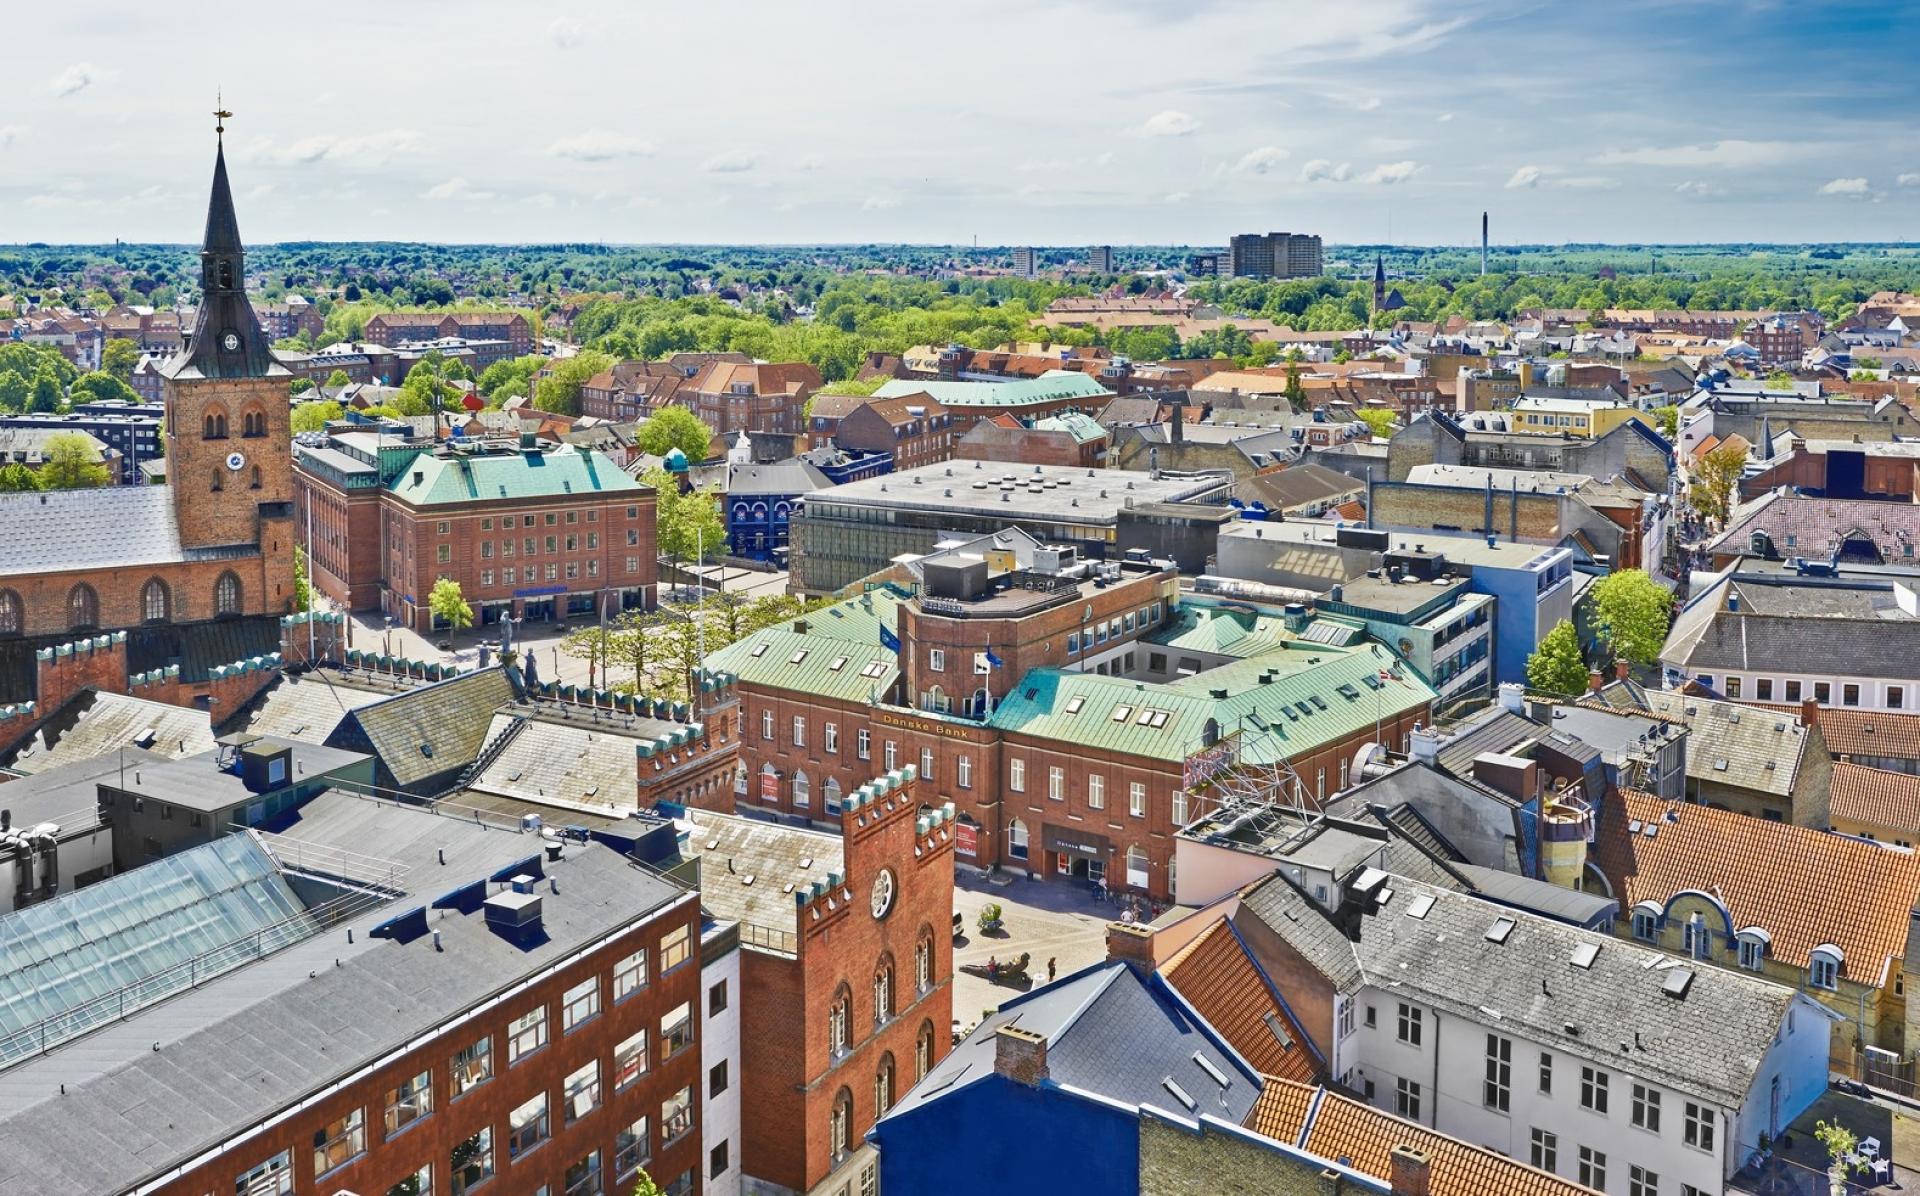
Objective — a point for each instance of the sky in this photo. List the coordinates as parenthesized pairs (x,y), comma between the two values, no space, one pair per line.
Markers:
(1050,122)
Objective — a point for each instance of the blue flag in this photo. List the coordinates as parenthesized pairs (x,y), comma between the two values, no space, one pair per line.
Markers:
(888,639)
(993,660)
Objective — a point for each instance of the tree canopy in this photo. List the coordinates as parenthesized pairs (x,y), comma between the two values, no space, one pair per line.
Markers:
(674,428)
(313,416)
(72,462)
(448,605)
(1631,611)
(559,392)
(685,524)
(1556,666)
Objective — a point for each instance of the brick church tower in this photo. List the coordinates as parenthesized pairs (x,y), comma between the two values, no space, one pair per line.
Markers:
(228,429)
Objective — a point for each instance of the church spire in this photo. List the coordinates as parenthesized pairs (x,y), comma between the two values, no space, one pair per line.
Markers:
(227,341)
(223,227)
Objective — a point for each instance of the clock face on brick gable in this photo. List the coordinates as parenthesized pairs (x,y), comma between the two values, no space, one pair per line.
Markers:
(883,893)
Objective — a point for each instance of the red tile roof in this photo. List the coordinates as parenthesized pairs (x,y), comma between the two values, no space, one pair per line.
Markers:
(1365,1136)
(1218,978)
(1814,887)
(1878,796)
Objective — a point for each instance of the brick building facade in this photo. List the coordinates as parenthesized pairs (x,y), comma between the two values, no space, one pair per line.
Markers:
(732,397)
(394,328)
(912,430)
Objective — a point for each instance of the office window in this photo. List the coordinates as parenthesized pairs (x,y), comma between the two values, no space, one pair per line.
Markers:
(1733,691)
(629,975)
(630,1060)
(676,1116)
(271,1178)
(580,1092)
(1896,697)
(1593,1089)
(676,1030)
(1646,1108)
(716,1079)
(1408,1029)
(963,771)
(527,1126)
(1822,692)
(926,764)
(1696,1130)
(1056,784)
(937,660)
(1593,1167)
(1179,807)
(420,1183)
(580,1003)
(1137,799)
(1406,1099)
(472,1162)
(1017,775)
(471,1067)
(864,744)
(799,731)
(1849,694)
(1096,792)
(766,724)
(1793,691)
(408,1102)
(717,1161)
(891,755)
(527,1034)
(1496,1092)
(830,737)
(340,1141)
(1546,1150)
(675,948)
(1642,1182)
(632,1147)
(1546,1074)
(583,1176)
(717,999)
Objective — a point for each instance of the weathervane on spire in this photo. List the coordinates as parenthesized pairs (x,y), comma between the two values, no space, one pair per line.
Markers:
(220,116)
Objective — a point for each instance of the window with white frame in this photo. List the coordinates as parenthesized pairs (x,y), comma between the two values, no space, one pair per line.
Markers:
(1546,1150)
(271,1178)
(340,1141)
(1408,1028)
(1642,1182)
(1017,775)
(799,731)
(580,1004)
(526,1034)
(1497,1090)
(629,1060)
(830,737)
(963,771)
(1137,799)
(1593,1089)
(1593,1168)
(1646,1108)
(1824,970)
(1696,1128)
(580,1091)
(629,975)
(407,1102)
(1056,783)
(937,660)
(1406,1098)
(1096,792)
(863,743)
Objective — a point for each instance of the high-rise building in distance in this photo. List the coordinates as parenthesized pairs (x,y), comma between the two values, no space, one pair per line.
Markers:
(1274,255)
(1102,259)
(1026,262)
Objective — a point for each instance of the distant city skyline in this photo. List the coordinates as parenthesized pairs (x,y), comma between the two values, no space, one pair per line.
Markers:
(1058,122)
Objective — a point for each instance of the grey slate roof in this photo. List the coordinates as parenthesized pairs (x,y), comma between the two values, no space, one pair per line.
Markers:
(1731,744)
(1109,1031)
(792,476)
(1293,915)
(552,760)
(306,706)
(435,729)
(61,531)
(97,723)
(255,1040)
(732,848)
(1709,1043)
(1818,644)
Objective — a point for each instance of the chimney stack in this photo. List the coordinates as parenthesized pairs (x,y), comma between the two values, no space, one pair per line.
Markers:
(1020,1055)
(1809,713)
(1131,944)
(1423,744)
(1620,670)
(1410,1175)
(1513,698)
(1595,679)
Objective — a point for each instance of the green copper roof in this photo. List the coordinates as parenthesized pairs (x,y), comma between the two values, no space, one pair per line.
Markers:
(1313,695)
(1079,425)
(839,655)
(1225,630)
(1019,392)
(429,480)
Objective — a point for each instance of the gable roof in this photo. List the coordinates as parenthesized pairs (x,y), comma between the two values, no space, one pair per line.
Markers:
(435,729)
(1814,888)
(1221,981)
(1876,795)
(1875,734)
(781,657)
(1731,744)
(1344,1128)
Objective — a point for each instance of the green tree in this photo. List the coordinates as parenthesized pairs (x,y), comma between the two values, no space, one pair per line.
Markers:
(595,644)
(1714,479)
(447,605)
(313,416)
(300,386)
(15,391)
(1295,394)
(1631,611)
(684,524)
(338,379)
(674,428)
(102,387)
(46,397)
(1779,378)
(302,591)
(560,391)
(643,1185)
(632,646)
(72,462)
(1668,418)
(1556,667)
(119,357)
(1378,420)
(16,478)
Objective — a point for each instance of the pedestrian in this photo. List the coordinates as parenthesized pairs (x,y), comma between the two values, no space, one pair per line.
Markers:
(1050,969)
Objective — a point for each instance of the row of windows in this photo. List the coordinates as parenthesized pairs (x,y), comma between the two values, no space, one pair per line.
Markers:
(1823,967)
(1592,1167)
(156,604)
(1893,697)
(1113,629)
(213,425)
(1096,790)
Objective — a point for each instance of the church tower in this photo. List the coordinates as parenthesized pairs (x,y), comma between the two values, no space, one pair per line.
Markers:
(1379,283)
(228,426)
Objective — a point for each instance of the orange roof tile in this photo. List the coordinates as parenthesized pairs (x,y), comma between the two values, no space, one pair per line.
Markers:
(1876,795)
(1355,509)
(1814,888)
(1281,1111)
(1865,732)
(1346,1129)
(1216,976)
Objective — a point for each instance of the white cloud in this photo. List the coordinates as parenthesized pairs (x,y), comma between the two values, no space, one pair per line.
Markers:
(734,162)
(566,33)
(359,149)
(1905,180)
(1525,177)
(1177,197)
(455,188)
(597,145)
(539,199)
(879,203)
(259,191)
(1320,170)
(1444,117)
(9,134)
(811,162)
(1734,152)
(1171,123)
(77,77)
(1264,160)
(1389,173)
(1697,188)
(1367,103)
(1851,187)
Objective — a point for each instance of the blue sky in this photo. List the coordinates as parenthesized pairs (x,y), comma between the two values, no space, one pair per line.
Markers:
(1045,121)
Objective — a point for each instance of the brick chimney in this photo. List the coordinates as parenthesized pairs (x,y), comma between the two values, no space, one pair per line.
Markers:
(1020,1055)
(1409,1176)
(1595,679)
(1131,944)
(1620,668)
(1809,713)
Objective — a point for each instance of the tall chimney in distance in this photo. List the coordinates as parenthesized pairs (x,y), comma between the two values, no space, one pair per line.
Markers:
(1483,244)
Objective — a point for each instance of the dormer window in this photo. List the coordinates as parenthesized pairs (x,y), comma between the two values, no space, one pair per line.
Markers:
(1646,922)
(1753,947)
(1823,970)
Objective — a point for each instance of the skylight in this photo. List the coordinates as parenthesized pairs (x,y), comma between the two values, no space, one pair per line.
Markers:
(1075,703)
(1420,906)
(1585,954)
(797,657)
(1122,713)
(1501,928)
(836,664)
(1205,1064)
(1179,1094)
(875,669)
(759,649)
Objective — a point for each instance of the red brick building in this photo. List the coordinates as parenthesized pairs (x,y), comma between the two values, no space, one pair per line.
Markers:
(731,396)
(395,328)
(846,963)
(633,390)
(537,531)
(914,430)
(540,1029)
(1071,440)
(282,320)
(1076,720)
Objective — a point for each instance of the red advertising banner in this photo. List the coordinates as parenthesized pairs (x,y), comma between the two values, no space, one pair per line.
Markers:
(770,786)
(966,838)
